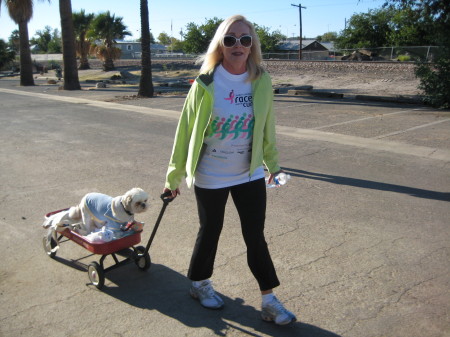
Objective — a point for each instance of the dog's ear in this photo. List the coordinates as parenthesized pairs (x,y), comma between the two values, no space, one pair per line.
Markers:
(127,201)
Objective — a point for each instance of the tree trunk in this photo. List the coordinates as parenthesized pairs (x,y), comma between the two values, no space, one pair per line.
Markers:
(84,63)
(108,63)
(109,54)
(84,51)
(70,76)
(145,85)
(26,65)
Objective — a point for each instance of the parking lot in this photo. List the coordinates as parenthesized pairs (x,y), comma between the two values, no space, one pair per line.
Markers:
(360,235)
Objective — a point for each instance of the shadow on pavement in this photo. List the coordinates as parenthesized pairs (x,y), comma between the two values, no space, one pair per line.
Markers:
(374,185)
(167,291)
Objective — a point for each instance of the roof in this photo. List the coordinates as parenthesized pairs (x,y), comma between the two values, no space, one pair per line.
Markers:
(153,46)
(292,45)
(328,45)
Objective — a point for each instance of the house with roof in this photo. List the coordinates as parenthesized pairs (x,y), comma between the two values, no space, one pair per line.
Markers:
(133,50)
(311,49)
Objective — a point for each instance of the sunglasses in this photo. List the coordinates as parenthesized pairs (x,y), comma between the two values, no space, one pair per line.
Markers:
(230,41)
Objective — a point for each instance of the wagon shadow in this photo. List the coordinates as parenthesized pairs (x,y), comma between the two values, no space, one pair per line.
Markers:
(166,291)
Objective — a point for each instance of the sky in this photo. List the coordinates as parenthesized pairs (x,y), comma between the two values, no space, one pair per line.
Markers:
(172,16)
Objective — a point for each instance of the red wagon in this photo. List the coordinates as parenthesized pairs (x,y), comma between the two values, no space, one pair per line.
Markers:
(123,247)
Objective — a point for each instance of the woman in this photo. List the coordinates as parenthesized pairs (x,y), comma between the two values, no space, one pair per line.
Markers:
(225,134)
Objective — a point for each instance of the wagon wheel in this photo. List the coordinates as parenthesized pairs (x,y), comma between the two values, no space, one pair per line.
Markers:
(96,275)
(49,245)
(142,258)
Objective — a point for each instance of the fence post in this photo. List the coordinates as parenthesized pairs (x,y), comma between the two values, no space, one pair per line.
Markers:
(428,53)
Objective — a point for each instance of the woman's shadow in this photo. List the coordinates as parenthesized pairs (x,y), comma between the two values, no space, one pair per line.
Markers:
(166,291)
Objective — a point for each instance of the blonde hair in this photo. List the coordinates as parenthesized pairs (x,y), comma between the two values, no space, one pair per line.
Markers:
(214,54)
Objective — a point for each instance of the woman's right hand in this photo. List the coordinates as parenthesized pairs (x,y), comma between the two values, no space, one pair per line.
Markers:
(173,192)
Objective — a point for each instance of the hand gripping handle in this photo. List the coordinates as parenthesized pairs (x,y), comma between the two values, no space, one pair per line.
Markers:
(166,197)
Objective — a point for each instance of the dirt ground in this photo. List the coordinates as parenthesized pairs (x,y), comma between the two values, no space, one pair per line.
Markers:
(348,83)
(350,79)
(362,78)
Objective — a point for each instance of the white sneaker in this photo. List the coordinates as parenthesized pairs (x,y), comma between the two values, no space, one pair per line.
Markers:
(206,295)
(276,312)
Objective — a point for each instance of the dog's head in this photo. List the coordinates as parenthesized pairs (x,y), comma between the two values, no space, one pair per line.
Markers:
(135,200)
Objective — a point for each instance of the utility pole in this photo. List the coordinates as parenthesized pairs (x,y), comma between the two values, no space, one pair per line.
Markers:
(300,16)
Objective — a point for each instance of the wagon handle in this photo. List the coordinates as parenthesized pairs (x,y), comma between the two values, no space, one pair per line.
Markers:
(165,197)
(166,200)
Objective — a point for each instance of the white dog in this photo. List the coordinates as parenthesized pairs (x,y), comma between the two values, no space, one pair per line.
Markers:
(98,210)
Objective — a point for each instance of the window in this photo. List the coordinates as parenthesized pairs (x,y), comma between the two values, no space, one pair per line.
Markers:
(129,47)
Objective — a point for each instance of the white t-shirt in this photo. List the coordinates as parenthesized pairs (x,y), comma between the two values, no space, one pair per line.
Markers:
(226,153)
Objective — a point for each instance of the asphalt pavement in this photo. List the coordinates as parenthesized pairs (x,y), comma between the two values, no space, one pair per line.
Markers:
(359,236)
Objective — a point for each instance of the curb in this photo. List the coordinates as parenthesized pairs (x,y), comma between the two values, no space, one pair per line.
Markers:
(390,99)
(328,94)
(307,90)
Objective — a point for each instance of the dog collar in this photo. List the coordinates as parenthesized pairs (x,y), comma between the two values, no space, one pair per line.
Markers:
(126,211)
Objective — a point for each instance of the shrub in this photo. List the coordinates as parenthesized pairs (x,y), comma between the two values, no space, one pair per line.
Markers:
(404,58)
(6,55)
(52,64)
(435,82)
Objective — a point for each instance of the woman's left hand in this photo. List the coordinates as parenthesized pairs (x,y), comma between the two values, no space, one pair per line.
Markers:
(272,176)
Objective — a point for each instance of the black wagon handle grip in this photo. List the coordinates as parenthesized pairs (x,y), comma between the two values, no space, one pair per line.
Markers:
(166,197)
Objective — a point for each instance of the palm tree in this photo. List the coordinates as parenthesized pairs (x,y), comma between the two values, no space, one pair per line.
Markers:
(107,28)
(71,81)
(21,12)
(81,23)
(145,84)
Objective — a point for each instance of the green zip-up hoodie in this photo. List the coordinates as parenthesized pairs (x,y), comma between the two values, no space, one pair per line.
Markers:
(194,120)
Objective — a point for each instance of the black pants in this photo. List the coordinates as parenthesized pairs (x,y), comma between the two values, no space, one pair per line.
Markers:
(250,202)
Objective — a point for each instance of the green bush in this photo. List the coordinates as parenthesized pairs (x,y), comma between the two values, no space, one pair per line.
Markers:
(435,82)
(6,55)
(404,58)
(52,64)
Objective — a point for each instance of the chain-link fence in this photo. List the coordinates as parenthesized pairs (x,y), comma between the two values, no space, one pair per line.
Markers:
(407,53)
(420,53)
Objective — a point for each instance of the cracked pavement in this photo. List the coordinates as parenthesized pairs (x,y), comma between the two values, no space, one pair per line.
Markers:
(360,236)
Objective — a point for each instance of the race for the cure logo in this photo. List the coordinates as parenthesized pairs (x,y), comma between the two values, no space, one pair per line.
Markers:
(241,99)
(230,97)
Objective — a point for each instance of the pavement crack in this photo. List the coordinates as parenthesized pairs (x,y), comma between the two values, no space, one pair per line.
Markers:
(413,286)
(390,300)
(357,252)
(324,255)
(432,253)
